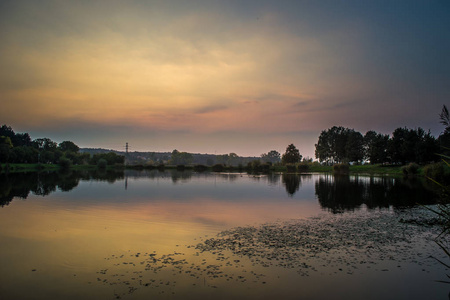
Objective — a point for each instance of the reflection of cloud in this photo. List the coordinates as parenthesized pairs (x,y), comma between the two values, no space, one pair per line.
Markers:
(209,221)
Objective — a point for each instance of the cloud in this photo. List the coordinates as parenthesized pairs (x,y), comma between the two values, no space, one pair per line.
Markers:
(208,67)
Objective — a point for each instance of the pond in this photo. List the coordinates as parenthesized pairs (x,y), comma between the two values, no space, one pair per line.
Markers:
(186,235)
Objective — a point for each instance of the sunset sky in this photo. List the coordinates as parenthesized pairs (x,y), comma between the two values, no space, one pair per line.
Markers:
(221,76)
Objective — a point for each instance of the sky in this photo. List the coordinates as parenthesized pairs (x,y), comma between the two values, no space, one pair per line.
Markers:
(221,76)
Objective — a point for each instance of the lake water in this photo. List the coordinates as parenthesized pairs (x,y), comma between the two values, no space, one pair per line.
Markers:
(186,235)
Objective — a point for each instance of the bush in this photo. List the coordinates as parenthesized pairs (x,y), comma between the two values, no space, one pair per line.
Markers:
(341,168)
(135,167)
(161,167)
(410,169)
(434,171)
(218,168)
(200,168)
(181,167)
(291,168)
(303,167)
(102,163)
(256,166)
(65,163)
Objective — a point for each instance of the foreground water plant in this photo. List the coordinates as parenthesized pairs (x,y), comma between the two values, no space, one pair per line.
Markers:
(443,211)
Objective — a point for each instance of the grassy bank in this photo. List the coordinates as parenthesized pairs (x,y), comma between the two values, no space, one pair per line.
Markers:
(22,168)
(311,168)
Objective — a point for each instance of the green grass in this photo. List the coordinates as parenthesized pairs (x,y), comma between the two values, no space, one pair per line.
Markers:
(377,170)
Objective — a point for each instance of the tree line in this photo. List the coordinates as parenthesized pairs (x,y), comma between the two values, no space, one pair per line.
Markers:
(343,145)
(335,145)
(20,148)
(405,145)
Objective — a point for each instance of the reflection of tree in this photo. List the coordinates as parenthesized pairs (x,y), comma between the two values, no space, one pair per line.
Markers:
(273,178)
(68,181)
(180,176)
(10,187)
(338,193)
(292,183)
(230,177)
(42,184)
(342,193)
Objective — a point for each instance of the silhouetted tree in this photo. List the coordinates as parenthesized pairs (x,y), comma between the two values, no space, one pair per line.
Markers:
(354,147)
(68,146)
(375,147)
(412,145)
(339,144)
(292,155)
(5,148)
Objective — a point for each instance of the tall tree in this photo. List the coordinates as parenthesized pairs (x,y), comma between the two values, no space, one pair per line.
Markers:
(354,147)
(339,144)
(292,155)
(5,148)
(375,147)
(412,145)
(68,146)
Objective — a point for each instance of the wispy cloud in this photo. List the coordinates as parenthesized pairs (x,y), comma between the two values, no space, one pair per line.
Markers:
(253,67)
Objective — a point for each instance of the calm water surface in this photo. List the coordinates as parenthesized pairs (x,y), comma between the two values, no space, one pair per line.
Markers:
(135,235)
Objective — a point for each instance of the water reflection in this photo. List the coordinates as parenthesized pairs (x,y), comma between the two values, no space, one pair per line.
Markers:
(292,183)
(345,193)
(334,193)
(44,183)
(101,240)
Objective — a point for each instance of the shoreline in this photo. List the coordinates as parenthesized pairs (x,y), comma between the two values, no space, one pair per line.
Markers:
(370,170)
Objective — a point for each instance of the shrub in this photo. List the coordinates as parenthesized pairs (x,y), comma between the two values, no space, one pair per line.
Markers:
(218,168)
(434,171)
(303,167)
(291,168)
(254,165)
(65,163)
(161,167)
(341,168)
(180,167)
(136,167)
(200,168)
(410,169)
(102,163)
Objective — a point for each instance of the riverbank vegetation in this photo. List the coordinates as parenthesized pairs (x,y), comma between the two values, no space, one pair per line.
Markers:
(408,152)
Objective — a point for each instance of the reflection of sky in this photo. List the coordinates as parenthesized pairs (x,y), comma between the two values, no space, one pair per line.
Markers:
(214,188)
(213,200)
(70,233)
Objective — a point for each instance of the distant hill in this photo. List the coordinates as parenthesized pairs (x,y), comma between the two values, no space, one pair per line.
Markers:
(137,157)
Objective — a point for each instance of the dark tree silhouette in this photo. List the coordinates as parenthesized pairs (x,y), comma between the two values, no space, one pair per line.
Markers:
(292,155)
